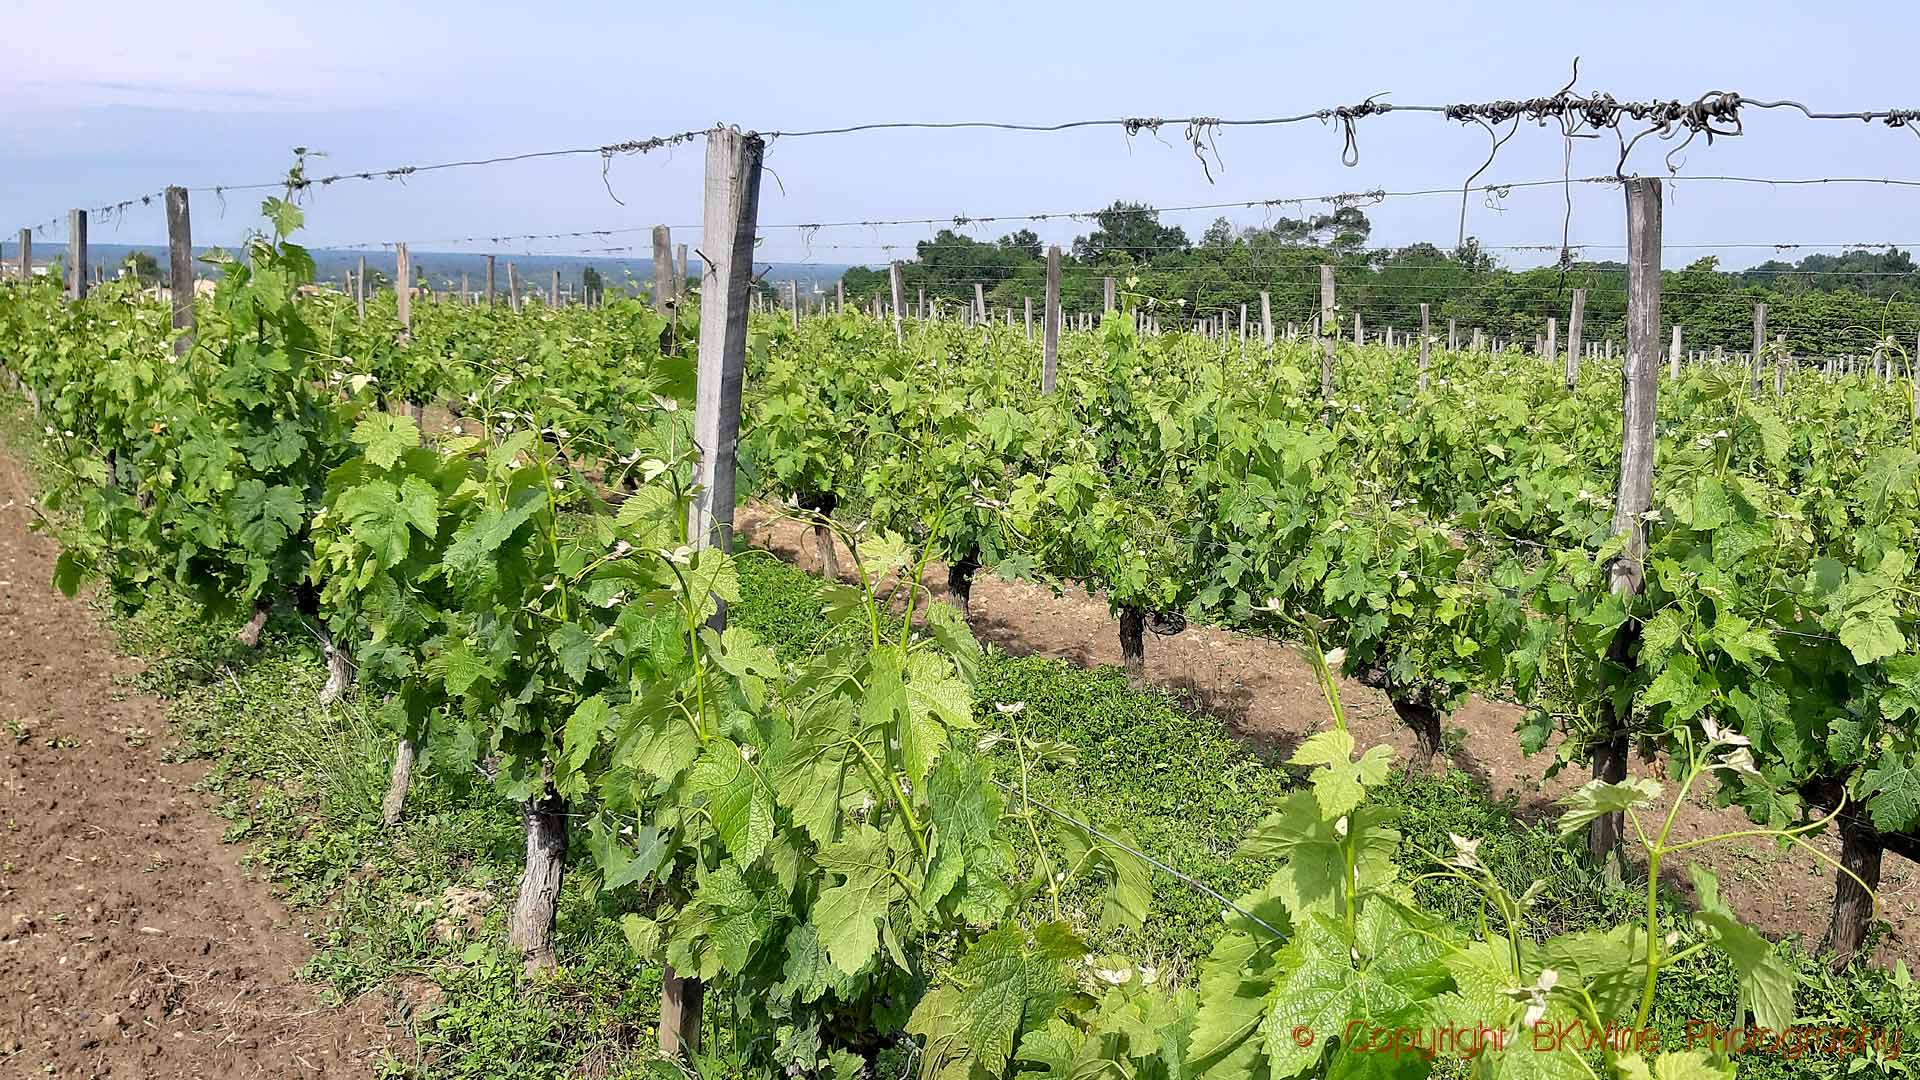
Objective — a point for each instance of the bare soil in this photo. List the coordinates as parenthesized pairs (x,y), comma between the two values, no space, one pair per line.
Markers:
(132,941)
(1264,692)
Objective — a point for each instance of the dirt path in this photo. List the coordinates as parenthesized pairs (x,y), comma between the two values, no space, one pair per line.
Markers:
(1265,692)
(132,943)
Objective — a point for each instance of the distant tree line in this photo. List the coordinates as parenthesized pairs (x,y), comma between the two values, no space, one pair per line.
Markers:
(1824,304)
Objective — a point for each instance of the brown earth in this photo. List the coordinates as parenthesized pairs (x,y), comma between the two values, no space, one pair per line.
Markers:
(132,941)
(1264,691)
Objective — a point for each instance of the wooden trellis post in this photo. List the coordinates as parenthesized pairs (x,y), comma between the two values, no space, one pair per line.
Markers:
(663,271)
(730,218)
(1426,346)
(893,279)
(1635,494)
(1050,322)
(180,268)
(1573,337)
(1759,344)
(1329,329)
(76,254)
(1673,354)
(403,287)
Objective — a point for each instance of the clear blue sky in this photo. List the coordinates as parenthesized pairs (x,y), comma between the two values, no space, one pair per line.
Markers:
(131,98)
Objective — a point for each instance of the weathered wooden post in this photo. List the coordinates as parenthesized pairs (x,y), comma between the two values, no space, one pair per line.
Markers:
(894,279)
(1050,322)
(1673,354)
(180,268)
(1639,387)
(76,254)
(1266,318)
(730,218)
(663,296)
(1573,337)
(1329,329)
(1426,346)
(490,281)
(1759,345)
(403,287)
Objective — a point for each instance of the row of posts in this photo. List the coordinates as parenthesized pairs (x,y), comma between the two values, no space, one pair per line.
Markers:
(557,293)
(1223,327)
(80,275)
(670,272)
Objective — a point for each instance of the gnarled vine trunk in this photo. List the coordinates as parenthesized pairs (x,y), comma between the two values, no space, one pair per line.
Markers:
(250,634)
(402,778)
(1604,836)
(823,505)
(960,581)
(531,927)
(1424,721)
(1415,708)
(339,667)
(1860,851)
(1133,645)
